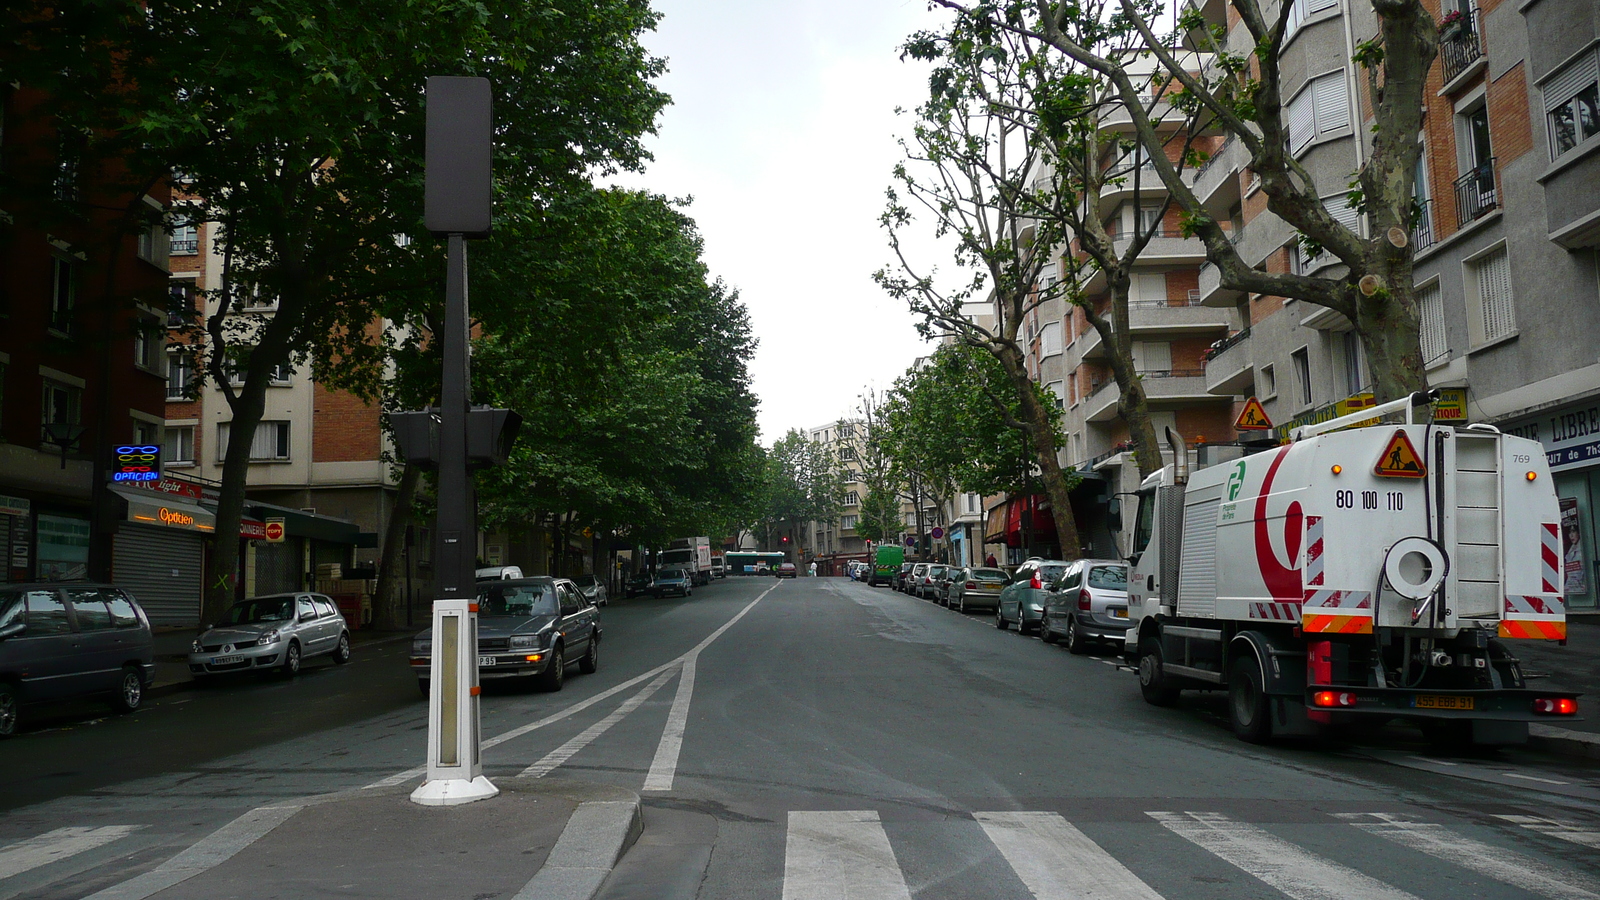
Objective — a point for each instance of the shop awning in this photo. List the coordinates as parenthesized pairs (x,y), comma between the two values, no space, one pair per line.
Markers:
(166,510)
(297,523)
(1006,521)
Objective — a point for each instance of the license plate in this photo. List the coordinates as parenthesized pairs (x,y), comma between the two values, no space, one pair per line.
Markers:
(1119,614)
(225,660)
(485,661)
(1440,701)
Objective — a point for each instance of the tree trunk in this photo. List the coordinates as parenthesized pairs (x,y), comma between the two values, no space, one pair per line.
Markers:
(222,554)
(1041,433)
(386,608)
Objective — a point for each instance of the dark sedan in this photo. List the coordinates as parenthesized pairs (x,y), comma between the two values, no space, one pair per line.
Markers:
(787,570)
(528,628)
(638,584)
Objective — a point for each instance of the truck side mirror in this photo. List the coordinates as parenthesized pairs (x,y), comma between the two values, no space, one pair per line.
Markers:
(1114,514)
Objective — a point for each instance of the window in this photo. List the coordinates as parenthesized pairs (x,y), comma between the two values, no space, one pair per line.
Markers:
(1058,390)
(1320,109)
(1350,354)
(1302,375)
(271,442)
(185,239)
(62,406)
(1269,383)
(1302,10)
(147,345)
(180,372)
(1050,339)
(1475,189)
(47,614)
(146,433)
(1430,316)
(847,430)
(238,363)
(1572,104)
(1150,287)
(178,449)
(67,167)
(63,294)
(90,610)
(847,521)
(851,498)
(847,452)
(1338,206)
(1152,356)
(180,303)
(152,246)
(1490,276)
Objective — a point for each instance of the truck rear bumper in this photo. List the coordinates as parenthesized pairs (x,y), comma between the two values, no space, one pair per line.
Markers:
(1507,705)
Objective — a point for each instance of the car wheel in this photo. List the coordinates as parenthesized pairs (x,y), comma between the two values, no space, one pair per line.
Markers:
(591,658)
(341,653)
(1075,640)
(291,660)
(555,674)
(10,710)
(1045,634)
(1000,619)
(130,691)
(1249,710)
(1153,681)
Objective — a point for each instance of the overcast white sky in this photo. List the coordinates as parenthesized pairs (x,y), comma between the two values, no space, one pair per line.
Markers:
(782,130)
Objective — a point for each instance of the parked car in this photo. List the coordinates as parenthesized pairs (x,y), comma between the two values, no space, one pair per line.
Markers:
(638,584)
(1090,603)
(902,576)
(1022,601)
(941,587)
(975,588)
(60,641)
(528,628)
(929,581)
(671,581)
(913,578)
(497,573)
(787,570)
(592,589)
(272,632)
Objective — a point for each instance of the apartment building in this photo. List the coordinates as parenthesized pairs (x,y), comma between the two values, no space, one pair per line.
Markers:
(1505,252)
(833,546)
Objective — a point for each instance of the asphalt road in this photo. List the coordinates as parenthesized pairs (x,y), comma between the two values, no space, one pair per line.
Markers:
(831,740)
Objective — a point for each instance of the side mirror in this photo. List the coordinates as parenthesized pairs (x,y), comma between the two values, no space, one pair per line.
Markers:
(12,630)
(1114,514)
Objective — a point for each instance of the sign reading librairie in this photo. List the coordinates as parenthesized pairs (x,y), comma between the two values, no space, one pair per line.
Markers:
(136,463)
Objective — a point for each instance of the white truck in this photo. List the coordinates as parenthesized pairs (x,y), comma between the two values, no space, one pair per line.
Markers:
(692,554)
(1375,571)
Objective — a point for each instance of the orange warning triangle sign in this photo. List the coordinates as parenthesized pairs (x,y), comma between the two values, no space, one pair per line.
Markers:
(1400,459)
(1252,417)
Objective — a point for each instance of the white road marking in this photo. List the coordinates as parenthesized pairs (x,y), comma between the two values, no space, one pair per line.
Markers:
(664,766)
(1553,828)
(1513,868)
(213,850)
(53,846)
(565,752)
(1057,861)
(1533,778)
(1275,861)
(840,856)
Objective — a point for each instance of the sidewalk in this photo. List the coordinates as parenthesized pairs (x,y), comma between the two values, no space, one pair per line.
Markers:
(172,654)
(1574,667)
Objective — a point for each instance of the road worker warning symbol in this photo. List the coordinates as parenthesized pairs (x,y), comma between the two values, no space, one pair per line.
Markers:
(1400,459)
(1253,417)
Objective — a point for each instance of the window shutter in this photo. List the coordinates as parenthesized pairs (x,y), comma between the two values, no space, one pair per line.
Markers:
(1332,102)
(1150,286)
(1582,73)
(1050,340)
(1316,6)
(1302,121)
(1430,316)
(1494,295)
(1339,207)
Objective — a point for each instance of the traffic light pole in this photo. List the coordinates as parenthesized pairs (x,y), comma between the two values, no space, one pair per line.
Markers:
(457,519)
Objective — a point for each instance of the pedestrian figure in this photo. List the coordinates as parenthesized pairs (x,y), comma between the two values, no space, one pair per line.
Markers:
(991,562)
(813,570)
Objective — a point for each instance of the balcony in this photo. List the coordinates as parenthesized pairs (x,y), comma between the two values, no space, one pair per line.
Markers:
(1460,46)
(1147,317)
(1166,245)
(1476,194)
(1175,384)
(1216,182)
(1101,404)
(1230,366)
(1212,293)
(1422,233)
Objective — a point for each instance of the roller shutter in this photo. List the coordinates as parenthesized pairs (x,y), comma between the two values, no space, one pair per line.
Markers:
(161,568)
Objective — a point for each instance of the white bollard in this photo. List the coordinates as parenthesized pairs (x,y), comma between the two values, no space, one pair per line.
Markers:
(455,766)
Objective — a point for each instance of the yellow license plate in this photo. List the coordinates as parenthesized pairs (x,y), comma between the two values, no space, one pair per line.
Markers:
(1440,701)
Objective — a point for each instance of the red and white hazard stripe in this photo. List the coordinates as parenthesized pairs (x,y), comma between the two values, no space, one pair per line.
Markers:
(1550,558)
(1313,551)
(1275,612)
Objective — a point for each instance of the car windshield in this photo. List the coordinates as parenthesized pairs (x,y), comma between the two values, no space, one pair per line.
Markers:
(260,609)
(1112,578)
(583,580)
(518,600)
(988,575)
(669,574)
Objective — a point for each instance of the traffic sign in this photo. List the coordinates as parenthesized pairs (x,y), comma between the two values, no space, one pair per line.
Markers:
(938,533)
(1253,417)
(274,531)
(911,540)
(1400,459)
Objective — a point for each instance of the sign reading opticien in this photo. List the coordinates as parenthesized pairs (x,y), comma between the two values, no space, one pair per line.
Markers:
(136,463)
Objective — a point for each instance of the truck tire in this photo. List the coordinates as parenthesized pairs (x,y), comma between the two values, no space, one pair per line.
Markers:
(1249,709)
(1154,684)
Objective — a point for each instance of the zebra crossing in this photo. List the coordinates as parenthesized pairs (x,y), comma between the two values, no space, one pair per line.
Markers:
(841,854)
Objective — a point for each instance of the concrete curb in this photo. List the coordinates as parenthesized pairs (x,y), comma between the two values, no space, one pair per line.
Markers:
(596,837)
(1564,742)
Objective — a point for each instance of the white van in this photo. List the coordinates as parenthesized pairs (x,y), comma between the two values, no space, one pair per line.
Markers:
(498,573)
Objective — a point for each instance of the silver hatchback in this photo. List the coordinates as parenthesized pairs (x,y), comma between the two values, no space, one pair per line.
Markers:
(277,631)
(1089,603)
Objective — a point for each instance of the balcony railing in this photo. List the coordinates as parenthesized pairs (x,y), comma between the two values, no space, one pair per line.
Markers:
(1218,348)
(1192,300)
(1475,193)
(1173,373)
(1463,47)
(185,246)
(1422,232)
(1212,159)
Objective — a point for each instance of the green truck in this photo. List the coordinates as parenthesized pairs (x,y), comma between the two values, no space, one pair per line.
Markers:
(886,562)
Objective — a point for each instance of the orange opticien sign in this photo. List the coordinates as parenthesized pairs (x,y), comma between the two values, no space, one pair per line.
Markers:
(1400,459)
(1253,417)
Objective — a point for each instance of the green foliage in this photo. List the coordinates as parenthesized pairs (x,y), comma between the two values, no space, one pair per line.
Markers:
(800,483)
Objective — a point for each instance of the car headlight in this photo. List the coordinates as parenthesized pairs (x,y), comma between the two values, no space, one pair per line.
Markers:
(196,647)
(524,641)
(271,637)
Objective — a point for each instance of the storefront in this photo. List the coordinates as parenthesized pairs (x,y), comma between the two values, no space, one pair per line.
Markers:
(159,552)
(1571,439)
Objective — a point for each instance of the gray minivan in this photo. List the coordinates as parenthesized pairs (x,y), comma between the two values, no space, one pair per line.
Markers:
(61,641)
(1089,603)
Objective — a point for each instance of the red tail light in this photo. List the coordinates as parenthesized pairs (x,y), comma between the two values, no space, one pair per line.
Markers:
(972,585)
(1563,706)
(1333,698)
(1035,583)
(1083,599)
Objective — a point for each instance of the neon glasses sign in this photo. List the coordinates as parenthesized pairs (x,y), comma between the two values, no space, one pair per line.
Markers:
(137,463)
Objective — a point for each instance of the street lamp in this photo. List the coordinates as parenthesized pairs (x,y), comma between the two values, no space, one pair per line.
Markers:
(64,435)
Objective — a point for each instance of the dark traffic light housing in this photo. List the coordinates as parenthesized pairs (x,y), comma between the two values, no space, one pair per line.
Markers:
(491,433)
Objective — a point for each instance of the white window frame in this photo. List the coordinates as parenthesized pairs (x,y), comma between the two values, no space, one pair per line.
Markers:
(1434,338)
(1301,360)
(1317,112)
(272,435)
(1562,90)
(185,239)
(1490,319)
(148,345)
(152,243)
(181,435)
(1269,382)
(851,498)
(1302,11)
(177,356)
(1050,339)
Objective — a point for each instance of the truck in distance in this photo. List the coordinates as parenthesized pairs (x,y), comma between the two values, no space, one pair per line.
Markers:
(692,555)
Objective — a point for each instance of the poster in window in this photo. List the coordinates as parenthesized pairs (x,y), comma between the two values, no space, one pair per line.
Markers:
(1577,573)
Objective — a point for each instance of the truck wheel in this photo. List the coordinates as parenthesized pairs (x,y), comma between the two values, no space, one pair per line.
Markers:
(1153,681)
(1248,707)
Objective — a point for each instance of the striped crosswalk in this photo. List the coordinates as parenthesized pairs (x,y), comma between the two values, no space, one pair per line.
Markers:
(855,854)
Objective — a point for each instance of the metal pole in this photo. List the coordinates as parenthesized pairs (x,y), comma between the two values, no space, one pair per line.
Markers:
(457,512)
